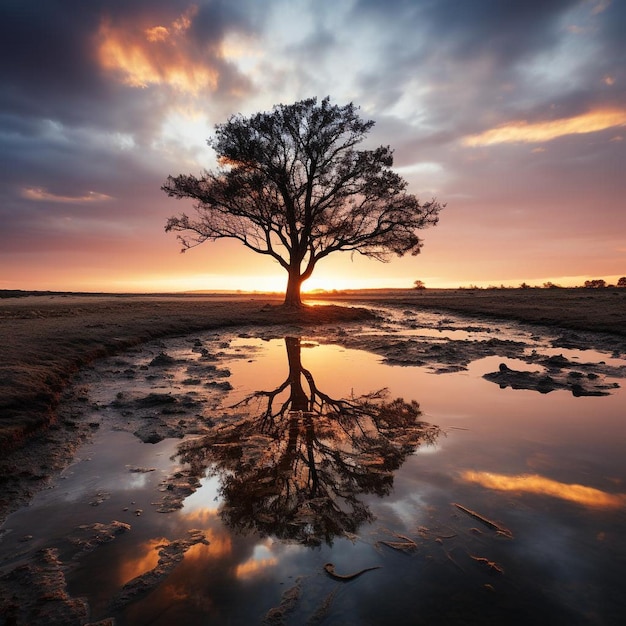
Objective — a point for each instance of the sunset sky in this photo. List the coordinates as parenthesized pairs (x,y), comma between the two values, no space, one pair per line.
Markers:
(511,112)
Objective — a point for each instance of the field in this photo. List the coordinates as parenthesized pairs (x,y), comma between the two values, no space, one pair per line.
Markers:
(597,310)
(47,338)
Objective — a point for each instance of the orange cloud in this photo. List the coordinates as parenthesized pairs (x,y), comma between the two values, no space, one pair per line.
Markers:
(38,193)
(523,132)
(533,483)
(159,55)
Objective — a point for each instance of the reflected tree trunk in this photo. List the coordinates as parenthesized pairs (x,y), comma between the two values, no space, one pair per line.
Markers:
(298,397)
(293,460)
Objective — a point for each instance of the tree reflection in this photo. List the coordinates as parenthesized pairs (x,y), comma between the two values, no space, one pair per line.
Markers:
(293,461)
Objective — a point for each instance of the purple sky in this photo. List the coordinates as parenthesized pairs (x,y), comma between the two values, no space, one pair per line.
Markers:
(513,113)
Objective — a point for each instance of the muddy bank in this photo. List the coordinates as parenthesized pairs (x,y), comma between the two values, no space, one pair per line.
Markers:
(174,387)
(594,310)
(46,339)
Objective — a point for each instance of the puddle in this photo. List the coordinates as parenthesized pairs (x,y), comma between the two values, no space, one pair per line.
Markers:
(231,469)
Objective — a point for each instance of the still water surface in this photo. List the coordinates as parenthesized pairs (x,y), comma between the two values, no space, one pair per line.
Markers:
(299,462)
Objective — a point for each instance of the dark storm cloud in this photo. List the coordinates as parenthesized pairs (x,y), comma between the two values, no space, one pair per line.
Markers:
(49,62)
(506,30)
(486,61)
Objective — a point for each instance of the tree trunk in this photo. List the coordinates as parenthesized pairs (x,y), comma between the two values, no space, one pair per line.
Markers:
(292,294)
(298,398)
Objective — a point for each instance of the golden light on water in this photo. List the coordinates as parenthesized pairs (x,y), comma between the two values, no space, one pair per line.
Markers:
(254,567)
(147,560)
(533,483)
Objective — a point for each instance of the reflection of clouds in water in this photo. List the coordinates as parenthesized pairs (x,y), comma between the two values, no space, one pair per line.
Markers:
(146,560)
(197,502)
(410,510)
(533,483)
(219,546)
(262,559)
(135,480)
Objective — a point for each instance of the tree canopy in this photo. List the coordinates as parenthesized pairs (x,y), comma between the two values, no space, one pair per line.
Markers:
(292,184)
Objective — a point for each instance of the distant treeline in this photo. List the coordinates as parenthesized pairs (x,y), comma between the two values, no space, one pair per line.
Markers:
(19,293)
(597,283)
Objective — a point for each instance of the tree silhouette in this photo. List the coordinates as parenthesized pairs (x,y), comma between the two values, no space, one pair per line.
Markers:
(292,185)
(597,283)
(293,461)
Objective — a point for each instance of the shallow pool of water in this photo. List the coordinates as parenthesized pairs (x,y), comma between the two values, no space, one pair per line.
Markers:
(288,450)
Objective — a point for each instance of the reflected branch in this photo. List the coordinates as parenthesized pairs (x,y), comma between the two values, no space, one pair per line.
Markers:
(296,467)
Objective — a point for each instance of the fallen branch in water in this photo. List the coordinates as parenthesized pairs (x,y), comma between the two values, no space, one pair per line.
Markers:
(491,566)
(402,546)
(329,568)
(487,522)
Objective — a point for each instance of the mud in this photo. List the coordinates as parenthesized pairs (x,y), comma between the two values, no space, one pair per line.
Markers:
(174,389)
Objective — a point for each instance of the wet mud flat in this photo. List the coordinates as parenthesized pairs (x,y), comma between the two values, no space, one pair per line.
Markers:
(47,339)
(170,419)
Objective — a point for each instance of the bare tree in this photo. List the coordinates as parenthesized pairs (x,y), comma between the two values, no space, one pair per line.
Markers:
(291,184)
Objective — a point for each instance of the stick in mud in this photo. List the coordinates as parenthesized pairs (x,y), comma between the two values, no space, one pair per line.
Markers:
(330,570)
(487,522)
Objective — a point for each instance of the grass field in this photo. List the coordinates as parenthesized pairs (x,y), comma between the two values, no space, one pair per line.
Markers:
(46,338)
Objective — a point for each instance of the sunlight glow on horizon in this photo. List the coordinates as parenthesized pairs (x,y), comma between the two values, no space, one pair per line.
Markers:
(276,284)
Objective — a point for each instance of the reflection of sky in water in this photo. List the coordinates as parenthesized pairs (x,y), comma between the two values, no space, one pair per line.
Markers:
(550,468)
(205,497)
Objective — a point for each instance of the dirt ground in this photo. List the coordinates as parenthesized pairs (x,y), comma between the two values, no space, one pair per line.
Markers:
(46,339)
(597,310)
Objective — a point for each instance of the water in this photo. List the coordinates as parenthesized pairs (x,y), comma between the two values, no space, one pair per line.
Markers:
(276,448)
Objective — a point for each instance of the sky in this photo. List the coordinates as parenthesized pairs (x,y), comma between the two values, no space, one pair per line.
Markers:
(513,113)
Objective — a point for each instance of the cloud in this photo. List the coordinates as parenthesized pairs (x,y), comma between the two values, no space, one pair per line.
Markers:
(532,483)
(537,132)
(39,194)
(159,55)
(103,99)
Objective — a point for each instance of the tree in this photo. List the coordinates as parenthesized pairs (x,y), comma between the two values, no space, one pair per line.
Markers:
(596,283)
(291,184)
(622,282)
(419,284)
